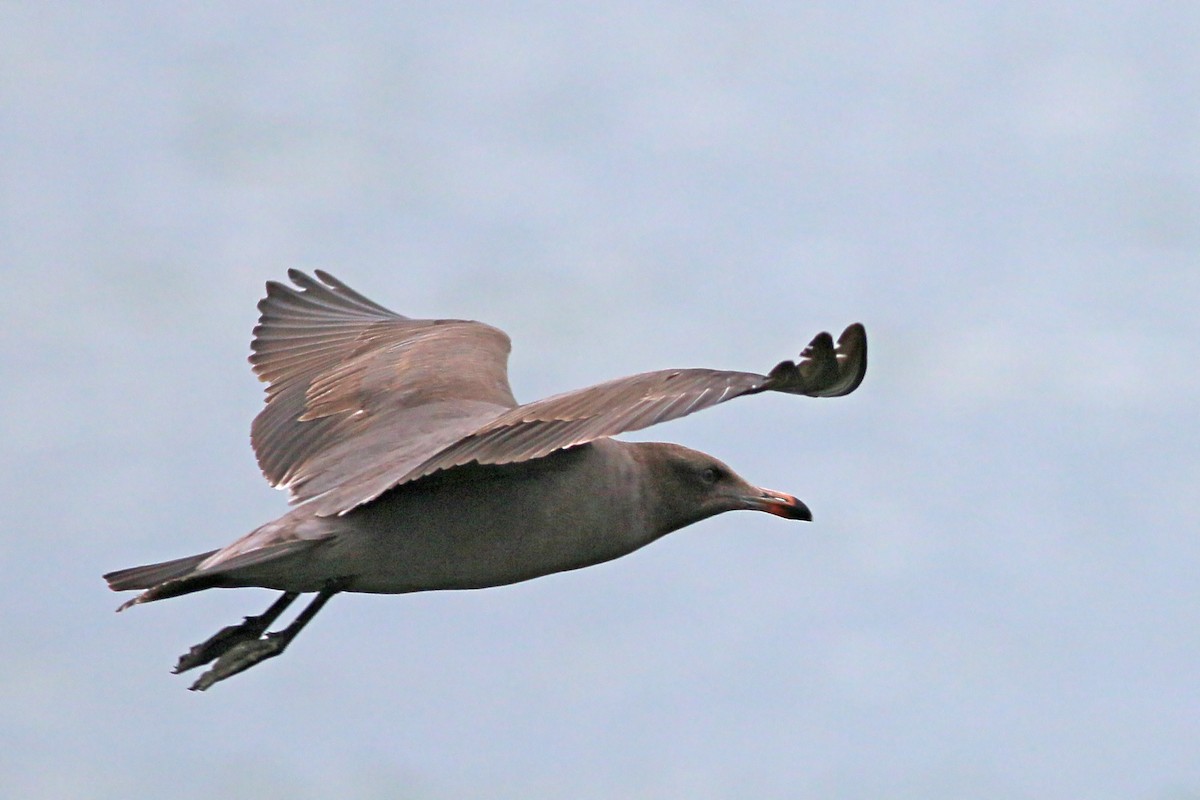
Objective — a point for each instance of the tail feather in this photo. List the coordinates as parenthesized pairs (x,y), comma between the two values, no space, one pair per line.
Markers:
(149,575)
(178,577)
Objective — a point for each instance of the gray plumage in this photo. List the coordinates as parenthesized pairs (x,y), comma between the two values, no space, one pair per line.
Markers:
(414,468)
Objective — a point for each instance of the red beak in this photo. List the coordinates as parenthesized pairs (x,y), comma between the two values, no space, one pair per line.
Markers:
(779,504)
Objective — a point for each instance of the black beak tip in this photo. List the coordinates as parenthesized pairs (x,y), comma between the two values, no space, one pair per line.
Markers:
(782,505)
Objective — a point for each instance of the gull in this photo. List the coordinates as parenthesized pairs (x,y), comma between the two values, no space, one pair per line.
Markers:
(413,468)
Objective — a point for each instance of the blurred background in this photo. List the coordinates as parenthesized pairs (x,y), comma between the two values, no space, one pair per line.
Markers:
(999,597)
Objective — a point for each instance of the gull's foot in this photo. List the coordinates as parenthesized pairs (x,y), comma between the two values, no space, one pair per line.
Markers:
(221,643)
(236,651)
(240,657)
(231,636)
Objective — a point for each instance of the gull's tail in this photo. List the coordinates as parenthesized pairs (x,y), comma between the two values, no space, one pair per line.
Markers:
(160,580)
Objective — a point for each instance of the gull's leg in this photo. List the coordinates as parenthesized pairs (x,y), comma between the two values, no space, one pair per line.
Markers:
(230,636)
(247,653)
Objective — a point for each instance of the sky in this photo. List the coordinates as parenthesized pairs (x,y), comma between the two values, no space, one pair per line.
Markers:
(998,597)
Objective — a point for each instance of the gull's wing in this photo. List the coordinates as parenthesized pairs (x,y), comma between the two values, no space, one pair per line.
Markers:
(626,404)
(639,401)
(352,386)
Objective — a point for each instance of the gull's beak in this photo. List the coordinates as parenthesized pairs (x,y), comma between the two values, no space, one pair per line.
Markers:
(777,503)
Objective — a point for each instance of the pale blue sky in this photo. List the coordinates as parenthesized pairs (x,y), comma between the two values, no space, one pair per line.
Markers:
(999,595)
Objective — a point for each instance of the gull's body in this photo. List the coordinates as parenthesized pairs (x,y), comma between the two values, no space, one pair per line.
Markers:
(415,469)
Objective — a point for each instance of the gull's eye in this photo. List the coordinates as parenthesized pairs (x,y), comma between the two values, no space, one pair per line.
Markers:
(710,475)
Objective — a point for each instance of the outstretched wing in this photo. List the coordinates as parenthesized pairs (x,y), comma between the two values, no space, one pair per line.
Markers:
(628,404)
(639,401)
(352,385)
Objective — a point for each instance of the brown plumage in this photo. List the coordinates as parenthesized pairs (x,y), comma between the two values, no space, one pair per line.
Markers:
(413,467)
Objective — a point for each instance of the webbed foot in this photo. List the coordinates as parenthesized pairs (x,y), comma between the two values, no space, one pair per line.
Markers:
(231,636)
(242,656)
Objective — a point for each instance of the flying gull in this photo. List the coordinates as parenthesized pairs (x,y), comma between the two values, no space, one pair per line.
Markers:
(413,467)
